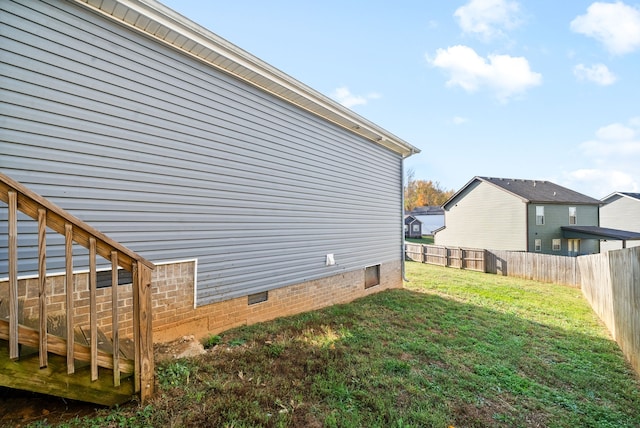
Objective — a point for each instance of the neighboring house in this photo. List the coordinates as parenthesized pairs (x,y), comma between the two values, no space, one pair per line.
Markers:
(620,210)
(187,149)
(412,227)
(520,215)
(432,218)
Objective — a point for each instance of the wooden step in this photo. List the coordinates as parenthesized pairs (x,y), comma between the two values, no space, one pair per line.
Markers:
(26,374)
(57,345)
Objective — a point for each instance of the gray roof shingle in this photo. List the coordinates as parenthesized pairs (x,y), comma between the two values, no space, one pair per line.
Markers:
(540,191)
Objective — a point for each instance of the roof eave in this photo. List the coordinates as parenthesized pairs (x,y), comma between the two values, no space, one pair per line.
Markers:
(167,26)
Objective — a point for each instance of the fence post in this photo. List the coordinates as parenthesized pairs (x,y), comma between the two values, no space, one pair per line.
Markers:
(484,261)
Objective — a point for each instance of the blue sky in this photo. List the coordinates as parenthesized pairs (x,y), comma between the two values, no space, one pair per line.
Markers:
(536,89)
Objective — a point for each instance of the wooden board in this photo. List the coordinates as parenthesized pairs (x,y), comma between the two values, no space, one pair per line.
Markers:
(27,375)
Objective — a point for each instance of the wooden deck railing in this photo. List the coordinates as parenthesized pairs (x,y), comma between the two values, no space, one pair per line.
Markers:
(20,199)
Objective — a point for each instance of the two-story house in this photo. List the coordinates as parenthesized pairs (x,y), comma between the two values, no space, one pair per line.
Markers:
(520,215)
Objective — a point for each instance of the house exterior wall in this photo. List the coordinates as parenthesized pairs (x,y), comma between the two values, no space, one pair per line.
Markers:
(622,213)
(484,216)
(177,160)
(555,216)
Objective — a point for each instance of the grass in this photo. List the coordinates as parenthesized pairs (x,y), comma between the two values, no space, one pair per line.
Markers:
(454,348)
(424,240)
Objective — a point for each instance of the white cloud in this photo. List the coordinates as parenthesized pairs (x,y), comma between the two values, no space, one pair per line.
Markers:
(616,132)
(505,75)
(487,18)
(602,182)
(615,25)
(597,73)
(344,96)
(613,158)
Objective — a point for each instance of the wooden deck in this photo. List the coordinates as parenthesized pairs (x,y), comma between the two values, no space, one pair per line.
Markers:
(25,373)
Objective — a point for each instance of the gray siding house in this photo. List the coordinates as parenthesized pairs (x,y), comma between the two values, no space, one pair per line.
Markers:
(183,147)
(518,215)
(620,210)
(412,227)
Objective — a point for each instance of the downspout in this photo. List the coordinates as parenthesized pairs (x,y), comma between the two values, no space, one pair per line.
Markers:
(402,256)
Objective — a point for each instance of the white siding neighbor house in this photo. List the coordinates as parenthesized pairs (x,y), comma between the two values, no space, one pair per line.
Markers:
(620,210)
(191,151)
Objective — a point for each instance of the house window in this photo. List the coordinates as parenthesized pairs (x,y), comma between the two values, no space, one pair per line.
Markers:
(555,244)
(538,244)
(371,276)
(416,228)
(539,215)
(573,215)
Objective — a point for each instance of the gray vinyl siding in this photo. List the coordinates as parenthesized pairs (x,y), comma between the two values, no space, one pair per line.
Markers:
(556,216)
(484,216)
(622,213)
(177,160)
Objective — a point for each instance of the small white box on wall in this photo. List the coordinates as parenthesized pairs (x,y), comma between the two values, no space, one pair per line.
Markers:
(330,260)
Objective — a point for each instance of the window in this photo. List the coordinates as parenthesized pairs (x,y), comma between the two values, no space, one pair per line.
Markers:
(573,215)
(538,244)
(371,276)
(539,215)
(416,228)
(556,245)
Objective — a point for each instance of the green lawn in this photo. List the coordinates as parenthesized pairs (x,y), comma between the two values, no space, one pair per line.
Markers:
(455,348)
(424,240)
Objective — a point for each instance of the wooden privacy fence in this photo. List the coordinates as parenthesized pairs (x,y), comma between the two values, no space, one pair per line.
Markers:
(611,284)
(538,267)
(461,258)
(37,334)
(535,266)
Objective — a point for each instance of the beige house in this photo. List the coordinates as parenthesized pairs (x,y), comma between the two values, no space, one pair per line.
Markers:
(620,210)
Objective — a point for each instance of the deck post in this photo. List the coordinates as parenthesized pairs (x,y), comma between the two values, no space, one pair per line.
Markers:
(144,339)
(42,280)
(14,352)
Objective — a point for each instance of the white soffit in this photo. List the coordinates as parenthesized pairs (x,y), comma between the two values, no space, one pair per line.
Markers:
(166,25)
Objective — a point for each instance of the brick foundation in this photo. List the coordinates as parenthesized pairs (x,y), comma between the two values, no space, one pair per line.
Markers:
(173,310)
(176,317)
